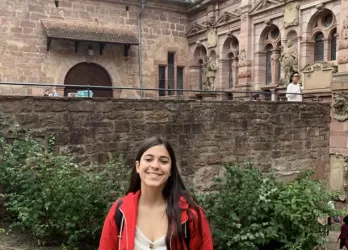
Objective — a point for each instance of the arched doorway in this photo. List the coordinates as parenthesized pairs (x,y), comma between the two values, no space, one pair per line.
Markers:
(88,74)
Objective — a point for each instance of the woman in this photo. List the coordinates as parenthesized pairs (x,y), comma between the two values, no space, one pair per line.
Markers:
(157,212)
(343,237)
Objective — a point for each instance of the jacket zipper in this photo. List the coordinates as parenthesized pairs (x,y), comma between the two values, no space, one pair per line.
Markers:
(126,228)
(171,236)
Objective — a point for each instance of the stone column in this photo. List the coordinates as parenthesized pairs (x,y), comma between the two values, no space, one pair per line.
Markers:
(223,75)
(235,73)
(275,66)
(326,50)
(342,30)
(245,39)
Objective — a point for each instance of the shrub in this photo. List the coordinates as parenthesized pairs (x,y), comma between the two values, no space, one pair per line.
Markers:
(55,198)
(252,211)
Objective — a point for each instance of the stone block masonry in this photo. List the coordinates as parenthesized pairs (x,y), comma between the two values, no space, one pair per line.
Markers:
(284,137)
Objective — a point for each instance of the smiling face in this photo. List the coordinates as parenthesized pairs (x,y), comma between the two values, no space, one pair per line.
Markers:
(154,166)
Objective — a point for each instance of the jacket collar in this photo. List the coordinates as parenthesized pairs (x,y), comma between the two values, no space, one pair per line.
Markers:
(130,207)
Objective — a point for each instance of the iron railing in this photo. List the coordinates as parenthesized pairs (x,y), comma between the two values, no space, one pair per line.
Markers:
(227,94)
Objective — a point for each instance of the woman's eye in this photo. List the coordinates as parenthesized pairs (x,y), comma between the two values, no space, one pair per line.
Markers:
(148,159)
(164,162)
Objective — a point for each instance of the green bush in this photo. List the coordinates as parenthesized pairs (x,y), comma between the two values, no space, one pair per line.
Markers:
(252,211)
(53,197)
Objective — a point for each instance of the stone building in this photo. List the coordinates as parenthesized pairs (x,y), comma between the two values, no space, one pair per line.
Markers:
(184,44)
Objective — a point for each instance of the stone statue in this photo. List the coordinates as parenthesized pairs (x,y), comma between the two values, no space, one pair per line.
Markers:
(210,74)
(288,60)
(340,106)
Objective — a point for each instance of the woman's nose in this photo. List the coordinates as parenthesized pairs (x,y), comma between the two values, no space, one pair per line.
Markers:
(155,164)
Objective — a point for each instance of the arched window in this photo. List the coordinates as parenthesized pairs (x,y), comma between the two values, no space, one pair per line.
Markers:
(269,49)
(230,71)
(333,45)
(319,47)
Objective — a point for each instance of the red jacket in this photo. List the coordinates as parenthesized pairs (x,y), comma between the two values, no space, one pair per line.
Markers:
(344,236)
(109,239)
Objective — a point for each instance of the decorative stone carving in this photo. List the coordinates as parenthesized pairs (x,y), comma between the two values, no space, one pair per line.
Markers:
(195,29)
(227,17)
(244,74)
(319,66)
(337,172)
(288,60)
(291,14)
(211,38)
(340,106)
(342,59)
(209,69)
(343,41)
(242,54)
(318,75)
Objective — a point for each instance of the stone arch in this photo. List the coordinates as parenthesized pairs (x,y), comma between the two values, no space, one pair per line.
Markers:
(83,74)
(228,68)
(213,54)
(66,65)
(230,46)
(200,53)
(270,34)
(268,55)
(317,23)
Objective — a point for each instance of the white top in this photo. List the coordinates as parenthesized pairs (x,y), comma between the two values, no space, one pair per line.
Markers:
(143,243)
(294,88)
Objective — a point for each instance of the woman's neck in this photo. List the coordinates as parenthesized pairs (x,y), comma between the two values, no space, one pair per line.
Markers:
(151,197)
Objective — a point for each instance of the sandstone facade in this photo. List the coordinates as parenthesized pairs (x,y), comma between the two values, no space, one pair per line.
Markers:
(285,137)
(23,44)
(246,39)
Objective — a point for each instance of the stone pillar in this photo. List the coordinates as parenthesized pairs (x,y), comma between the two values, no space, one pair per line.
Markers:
(275,66)
(194,78)
(274,97)
(245,39)
(326,50)
(342,30)
(235,73)
(339,122)
(223,75)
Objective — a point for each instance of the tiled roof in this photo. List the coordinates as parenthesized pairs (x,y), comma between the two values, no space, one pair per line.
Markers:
(87,32)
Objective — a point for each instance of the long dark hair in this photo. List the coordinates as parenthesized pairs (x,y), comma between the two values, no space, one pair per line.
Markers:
(173,190)
(292,75)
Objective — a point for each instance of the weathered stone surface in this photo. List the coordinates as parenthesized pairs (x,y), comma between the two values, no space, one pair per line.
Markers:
(205,134)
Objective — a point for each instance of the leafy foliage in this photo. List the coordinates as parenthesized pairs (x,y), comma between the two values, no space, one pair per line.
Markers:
(53,197)
(252,211)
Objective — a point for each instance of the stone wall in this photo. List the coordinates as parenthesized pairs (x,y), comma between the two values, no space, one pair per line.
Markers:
(23,43)
(285,137)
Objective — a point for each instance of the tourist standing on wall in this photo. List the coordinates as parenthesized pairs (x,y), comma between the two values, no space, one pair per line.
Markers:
(294,89)
(157,212)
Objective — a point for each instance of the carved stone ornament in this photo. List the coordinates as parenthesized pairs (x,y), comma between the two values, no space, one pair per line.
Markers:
(291,14)
(242,54)
(289,59)
(343,41)
(340,106)
(211,38)
(209,69)
(319,66)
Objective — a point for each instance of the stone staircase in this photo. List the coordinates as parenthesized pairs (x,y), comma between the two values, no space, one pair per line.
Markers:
(333,245)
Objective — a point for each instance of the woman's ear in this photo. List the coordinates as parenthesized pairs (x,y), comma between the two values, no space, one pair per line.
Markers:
(137,164)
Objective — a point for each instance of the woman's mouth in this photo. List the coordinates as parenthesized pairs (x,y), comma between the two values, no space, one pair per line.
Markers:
(153,174)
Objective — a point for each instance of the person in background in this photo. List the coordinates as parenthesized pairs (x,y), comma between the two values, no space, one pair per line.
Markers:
(343,237)
(158,213)
(47,92)
(294,89)
(55,93)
